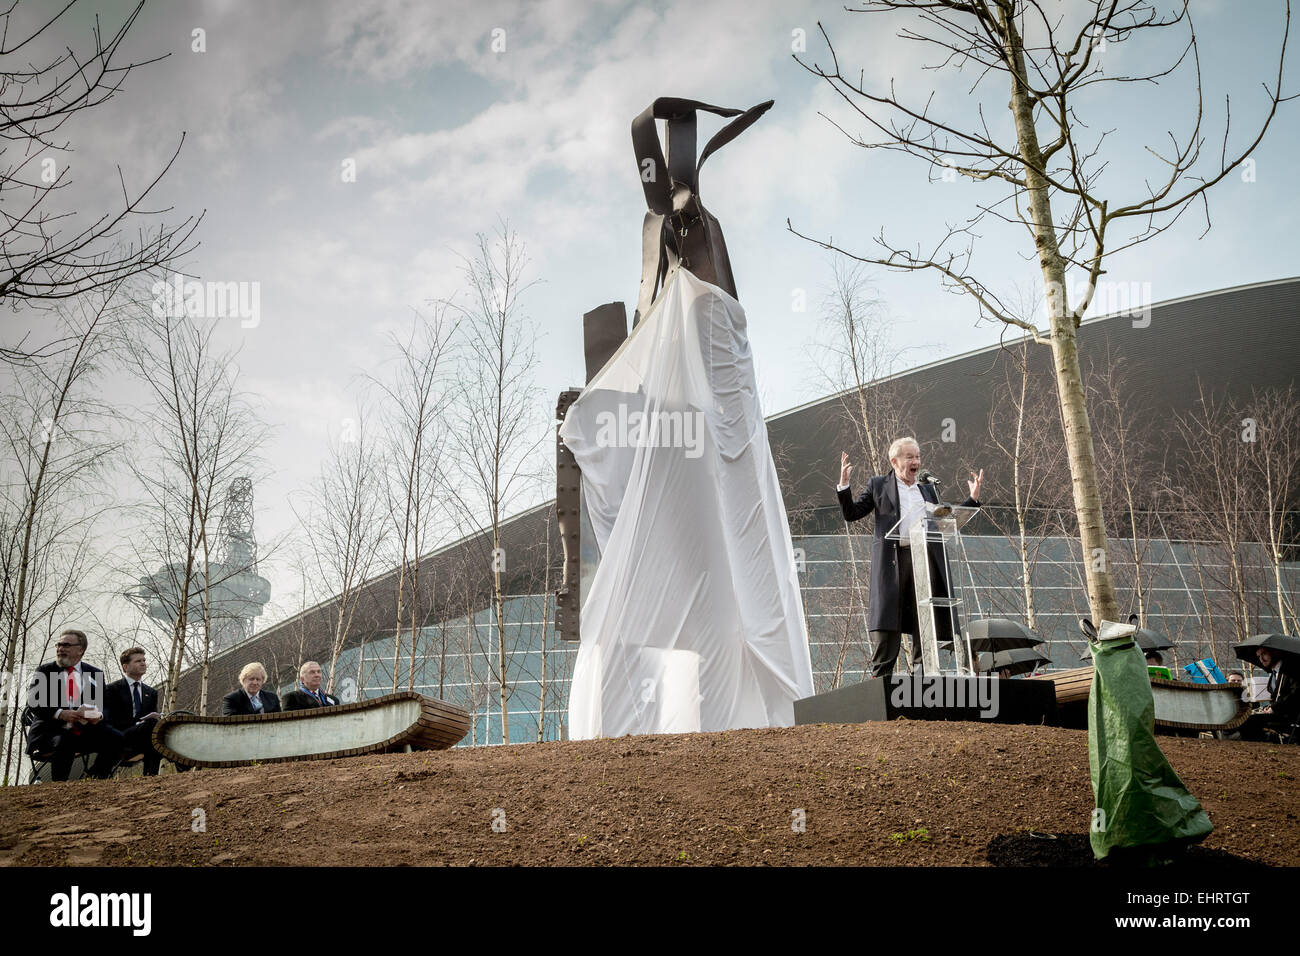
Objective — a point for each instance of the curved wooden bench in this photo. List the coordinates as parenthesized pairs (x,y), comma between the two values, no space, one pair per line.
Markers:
(387,723)
(1180,705)
(1072,686)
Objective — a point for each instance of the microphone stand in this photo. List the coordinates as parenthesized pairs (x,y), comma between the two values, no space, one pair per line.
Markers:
(941,510)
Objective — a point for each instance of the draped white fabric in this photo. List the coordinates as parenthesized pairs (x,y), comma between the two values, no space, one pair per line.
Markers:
(693,619)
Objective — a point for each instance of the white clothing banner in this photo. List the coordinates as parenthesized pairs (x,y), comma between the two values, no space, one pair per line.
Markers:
(693,619)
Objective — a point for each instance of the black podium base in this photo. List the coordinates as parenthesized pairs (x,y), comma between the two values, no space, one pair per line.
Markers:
(994,700)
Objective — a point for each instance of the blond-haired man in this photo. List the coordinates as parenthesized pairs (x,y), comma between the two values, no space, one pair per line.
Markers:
(251,698)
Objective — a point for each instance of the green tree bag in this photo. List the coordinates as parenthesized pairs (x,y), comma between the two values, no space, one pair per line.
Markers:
(1140,801)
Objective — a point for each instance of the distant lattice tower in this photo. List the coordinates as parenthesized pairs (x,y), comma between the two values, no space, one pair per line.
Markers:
(237,591)
(243,591)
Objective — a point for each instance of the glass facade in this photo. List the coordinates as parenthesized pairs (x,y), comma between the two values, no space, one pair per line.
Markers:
(1182,589)
(1185,591)
(458,660)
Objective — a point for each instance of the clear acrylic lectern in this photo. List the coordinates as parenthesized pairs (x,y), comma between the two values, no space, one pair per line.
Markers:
(941,526)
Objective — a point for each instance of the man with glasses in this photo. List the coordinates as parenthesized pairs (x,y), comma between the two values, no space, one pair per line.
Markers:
(66,701)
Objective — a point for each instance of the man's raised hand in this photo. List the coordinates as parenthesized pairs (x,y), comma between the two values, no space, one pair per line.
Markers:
(845,468)
(976,482)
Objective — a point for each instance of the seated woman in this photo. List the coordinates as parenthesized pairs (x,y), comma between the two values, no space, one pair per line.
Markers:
(252,699)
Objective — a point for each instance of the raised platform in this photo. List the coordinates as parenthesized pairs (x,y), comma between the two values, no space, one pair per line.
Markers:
(989,699)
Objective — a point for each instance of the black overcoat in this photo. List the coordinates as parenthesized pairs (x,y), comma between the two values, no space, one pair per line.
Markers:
(881,498)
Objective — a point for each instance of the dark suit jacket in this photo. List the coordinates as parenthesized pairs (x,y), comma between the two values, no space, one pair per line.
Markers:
(1284,687)
(48,693)
(299,699)
(236,703)
(881,497)
(119,709)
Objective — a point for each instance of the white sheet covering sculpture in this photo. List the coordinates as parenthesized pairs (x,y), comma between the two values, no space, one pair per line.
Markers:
(693,619)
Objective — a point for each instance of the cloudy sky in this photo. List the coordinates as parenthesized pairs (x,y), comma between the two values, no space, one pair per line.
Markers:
(449,131)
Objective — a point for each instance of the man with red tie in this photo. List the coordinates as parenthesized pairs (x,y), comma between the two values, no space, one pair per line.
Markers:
(66,702)
(308,693)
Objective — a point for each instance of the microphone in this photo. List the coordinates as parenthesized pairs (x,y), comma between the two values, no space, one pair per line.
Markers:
(941,510)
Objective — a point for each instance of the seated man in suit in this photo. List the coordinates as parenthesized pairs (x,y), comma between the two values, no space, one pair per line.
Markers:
(66,700)
(1283,709)
(131,706)
(252,699)
(309,693)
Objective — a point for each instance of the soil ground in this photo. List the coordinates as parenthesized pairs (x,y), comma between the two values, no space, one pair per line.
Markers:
(900,793)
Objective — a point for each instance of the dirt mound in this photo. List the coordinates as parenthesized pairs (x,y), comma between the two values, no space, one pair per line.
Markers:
(1074,849)
(901,793)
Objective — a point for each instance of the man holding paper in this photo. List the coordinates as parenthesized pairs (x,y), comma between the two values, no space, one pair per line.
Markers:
(65,700)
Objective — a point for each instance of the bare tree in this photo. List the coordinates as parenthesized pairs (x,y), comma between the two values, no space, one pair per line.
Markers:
(49,251)
(857,360)
(200,433)
(59,578)
(57,442)
(1048,167)
(1273,453)
(1024,424)
(418,397)
(1213,479)
(345,524)
(469,591)
(1130,464)
(498,426)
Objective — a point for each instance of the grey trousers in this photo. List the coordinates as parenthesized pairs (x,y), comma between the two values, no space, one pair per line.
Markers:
(888,644)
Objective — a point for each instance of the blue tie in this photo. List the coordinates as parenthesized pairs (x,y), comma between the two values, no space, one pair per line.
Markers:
(257,703)
(135,697)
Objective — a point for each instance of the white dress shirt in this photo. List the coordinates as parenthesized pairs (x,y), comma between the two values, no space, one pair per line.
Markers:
(911,505)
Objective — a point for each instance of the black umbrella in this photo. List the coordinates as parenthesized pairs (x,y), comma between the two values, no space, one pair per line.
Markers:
(1282,643)
(1151,641)
(999,634)
(1018,660)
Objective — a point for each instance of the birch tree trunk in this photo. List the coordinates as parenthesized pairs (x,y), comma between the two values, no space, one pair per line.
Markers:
(1065,352)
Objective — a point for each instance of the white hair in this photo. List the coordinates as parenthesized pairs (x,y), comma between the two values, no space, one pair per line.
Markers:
(898,444)
(302,671)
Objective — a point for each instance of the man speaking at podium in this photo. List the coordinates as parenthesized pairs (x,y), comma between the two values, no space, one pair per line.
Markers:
(900,494)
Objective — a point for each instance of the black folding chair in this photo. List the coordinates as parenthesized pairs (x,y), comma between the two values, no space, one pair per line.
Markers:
(1285,734)
(42,767)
